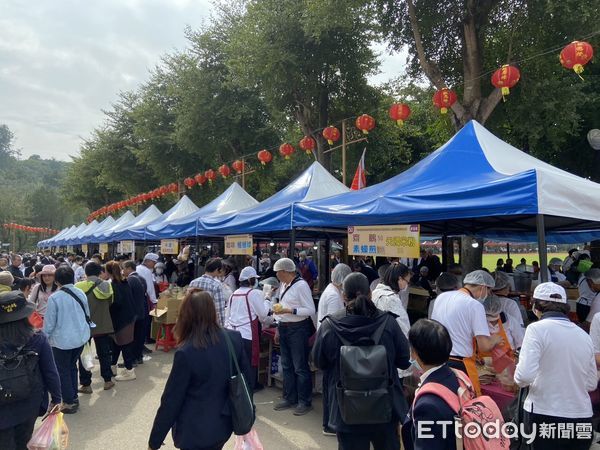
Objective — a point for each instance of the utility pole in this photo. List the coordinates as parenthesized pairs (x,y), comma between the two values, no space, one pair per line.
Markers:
(344,146)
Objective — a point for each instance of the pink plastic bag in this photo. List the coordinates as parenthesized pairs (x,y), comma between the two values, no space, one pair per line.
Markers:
(43,436)
(248,441)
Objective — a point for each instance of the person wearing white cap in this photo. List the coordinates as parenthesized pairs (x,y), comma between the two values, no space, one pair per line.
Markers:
(245,308)
(144,270)
(462,313)
(294,312)
(557,364)
(554,273)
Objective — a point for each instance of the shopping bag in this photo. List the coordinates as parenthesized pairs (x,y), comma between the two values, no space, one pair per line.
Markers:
(248,441)
(60,433)
(87,357)
(36,320)
(42,437)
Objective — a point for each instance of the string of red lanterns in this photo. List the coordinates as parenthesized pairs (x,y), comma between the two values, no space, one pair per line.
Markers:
(574,57)
(28,229)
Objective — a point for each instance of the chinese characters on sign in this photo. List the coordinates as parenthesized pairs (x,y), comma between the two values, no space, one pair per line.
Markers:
(169,246)
(127,246)
(103,249)
(84,248)
(239,245)
(393,241)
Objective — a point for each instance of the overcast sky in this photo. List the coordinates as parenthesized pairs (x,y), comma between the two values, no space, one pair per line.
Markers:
(63,61)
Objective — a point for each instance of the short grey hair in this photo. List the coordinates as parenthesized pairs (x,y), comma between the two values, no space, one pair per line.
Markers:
(340,271)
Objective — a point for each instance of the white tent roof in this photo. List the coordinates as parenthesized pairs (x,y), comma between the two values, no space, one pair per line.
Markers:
(560,193)
(74,232)
(104,225)
(184,207)
(92,226)
(148,216)
(120,224)
(235,198)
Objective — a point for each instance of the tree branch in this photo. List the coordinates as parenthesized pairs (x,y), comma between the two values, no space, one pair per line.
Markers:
(431,69)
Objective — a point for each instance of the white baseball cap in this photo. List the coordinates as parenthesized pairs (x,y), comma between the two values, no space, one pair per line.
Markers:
(247,273)
(550,292)
(151,257)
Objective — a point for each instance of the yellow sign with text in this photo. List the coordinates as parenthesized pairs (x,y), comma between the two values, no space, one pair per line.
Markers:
(127,246)
(103,249)
(84,248)
(169,246)
(392,241)
(240,244)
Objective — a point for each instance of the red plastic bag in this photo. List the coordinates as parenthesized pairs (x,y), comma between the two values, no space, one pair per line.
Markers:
(36,320)
(248,441)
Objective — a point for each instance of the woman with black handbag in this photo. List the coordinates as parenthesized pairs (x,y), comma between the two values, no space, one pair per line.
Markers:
(197,401)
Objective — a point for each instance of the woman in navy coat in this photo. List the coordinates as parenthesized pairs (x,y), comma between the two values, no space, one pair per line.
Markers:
(195,403)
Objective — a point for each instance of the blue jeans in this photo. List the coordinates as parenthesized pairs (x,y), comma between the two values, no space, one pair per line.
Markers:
(297,380)
(66,364)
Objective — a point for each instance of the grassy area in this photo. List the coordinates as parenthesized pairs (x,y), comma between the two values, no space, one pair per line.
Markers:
(489,259)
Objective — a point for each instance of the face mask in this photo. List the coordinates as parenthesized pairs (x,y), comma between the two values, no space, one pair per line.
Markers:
(159,271)
(484,296)
(494,329)
(417,367)
(255,283)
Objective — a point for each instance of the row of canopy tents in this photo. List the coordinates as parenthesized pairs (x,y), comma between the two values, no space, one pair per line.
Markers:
(476,184)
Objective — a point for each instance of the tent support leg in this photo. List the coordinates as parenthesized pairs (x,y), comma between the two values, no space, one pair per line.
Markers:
(292,244)
(508,250)
(542,248)
(444,252)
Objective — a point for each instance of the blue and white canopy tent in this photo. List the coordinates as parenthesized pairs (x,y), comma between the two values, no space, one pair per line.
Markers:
(275,213)
(474,184)
(93,236)
(183,208)
(68,236)
(120,224)
(136,229)
(75,238)
(233,200)
(49,242)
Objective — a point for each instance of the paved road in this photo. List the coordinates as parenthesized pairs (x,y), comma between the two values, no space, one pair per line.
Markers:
(122,417)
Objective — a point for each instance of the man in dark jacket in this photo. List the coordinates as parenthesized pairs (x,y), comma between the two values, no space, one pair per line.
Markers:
(138,289)
(15,270)
(430,349)
(352,325)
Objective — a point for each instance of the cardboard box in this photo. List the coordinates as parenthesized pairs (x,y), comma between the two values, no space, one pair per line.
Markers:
(167,310)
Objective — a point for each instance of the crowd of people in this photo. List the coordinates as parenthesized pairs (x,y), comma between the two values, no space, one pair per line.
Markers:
(361,333)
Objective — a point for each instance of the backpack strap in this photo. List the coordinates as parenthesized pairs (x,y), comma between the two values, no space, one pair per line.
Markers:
(379,331)
(442,392)
(465,385)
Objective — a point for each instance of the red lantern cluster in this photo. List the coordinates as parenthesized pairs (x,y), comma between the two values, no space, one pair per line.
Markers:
(189,182)
(265,157)
(286,150)
(332,134)
(505,78)
(307,144)
(444,99)
(399,112)
(200,179)
(28,229)
(576,55)
(365,123)
(210,175)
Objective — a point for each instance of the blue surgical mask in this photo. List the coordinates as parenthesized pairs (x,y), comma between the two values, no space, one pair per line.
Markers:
(416,365)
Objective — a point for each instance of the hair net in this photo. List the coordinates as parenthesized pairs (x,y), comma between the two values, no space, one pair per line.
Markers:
(479,278)
(492,306)
(340,272)
(502,281)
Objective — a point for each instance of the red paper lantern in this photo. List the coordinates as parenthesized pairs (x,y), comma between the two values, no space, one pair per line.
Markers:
(210,175)
(238,166)
(224,170)
(264,156)
(576,55)
(332,134)
(399,112)
(444,99)
(189,182)
(307,144)
(506,77)
(173,187)
(200,179)
(286,150)
(365,123)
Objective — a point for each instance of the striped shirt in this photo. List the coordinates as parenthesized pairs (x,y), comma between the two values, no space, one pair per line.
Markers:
(213,286)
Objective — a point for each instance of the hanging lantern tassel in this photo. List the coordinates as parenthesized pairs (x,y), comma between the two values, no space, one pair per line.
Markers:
(576,55)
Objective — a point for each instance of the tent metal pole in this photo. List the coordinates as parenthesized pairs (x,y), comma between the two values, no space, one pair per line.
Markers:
(542,248)
(444,252)
(508,250)
(292,243)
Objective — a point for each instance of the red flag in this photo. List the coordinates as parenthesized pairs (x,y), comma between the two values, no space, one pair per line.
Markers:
(360,179)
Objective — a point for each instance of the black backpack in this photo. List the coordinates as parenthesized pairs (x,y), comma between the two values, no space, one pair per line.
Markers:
(364,390)
(19,375)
